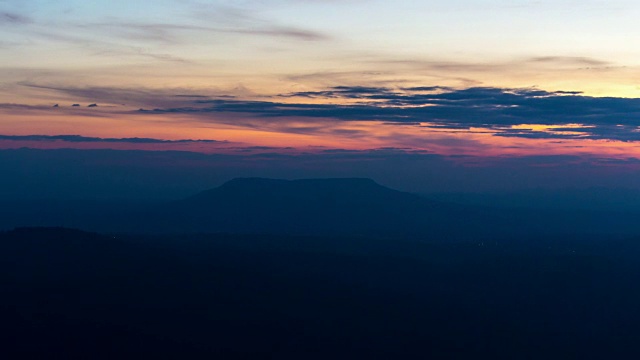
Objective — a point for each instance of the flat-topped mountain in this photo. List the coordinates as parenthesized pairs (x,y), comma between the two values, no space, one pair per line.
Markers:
(306,192)
(342,206)
(345,207)
(309,206)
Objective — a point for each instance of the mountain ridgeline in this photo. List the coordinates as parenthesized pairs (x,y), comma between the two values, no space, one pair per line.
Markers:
(313,206)
(316,269)
(349,206)
(307,192)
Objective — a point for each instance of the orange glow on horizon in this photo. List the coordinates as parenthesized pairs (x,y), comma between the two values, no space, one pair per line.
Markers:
(235,130)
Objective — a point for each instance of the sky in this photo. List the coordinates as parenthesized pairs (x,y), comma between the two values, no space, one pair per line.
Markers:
(480,84)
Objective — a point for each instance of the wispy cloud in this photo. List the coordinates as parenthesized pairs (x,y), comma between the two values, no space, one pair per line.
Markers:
(246,20)
(10,18)
(162,40)
(101,48)
(568,60)
(86,139)
(138,97)
(442,65)
(179,33)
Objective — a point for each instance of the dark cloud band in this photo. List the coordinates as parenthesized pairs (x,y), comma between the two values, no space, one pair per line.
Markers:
(495,108)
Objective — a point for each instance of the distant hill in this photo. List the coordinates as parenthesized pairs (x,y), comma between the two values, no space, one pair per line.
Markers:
(311,206)
(345,207)
(332,193)
(358,206)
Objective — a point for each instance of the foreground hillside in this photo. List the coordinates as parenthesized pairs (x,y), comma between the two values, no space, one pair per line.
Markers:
(70,294)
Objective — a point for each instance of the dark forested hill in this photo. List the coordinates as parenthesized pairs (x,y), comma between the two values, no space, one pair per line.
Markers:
(70,294)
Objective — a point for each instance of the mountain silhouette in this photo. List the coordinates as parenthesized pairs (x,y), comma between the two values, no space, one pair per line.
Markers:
(328,194)
(343,206)
(335,206)
(309,206)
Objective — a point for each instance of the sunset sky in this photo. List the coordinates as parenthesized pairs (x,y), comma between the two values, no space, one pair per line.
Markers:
(474,82)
